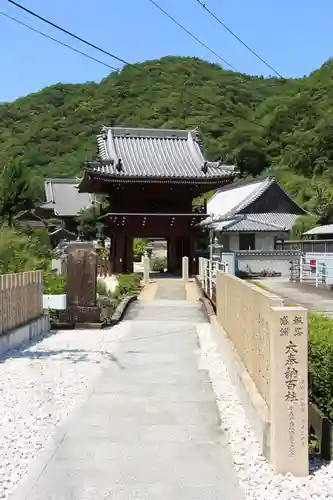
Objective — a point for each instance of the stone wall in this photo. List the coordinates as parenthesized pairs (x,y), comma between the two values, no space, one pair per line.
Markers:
(270,340)
(258,261)
(21,299)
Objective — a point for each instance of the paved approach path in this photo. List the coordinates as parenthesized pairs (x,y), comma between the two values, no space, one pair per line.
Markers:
(150,428)
(314,299)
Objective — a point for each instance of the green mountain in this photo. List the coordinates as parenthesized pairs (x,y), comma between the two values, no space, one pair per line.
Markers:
(271,125)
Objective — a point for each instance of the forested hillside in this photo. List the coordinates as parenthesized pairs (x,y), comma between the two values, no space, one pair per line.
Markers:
(274,125)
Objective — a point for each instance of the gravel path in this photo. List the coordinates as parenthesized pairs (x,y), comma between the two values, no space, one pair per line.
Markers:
(39,386)
(256,477)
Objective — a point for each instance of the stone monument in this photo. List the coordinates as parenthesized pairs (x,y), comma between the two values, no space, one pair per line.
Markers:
(81,286)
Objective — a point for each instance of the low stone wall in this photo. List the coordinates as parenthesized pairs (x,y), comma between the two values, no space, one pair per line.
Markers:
(258,261)
(270,341)
(24,334)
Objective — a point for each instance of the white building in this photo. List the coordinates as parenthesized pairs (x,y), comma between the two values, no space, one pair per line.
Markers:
(252,215)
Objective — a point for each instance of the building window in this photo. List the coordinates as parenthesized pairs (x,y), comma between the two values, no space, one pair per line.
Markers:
(247,241)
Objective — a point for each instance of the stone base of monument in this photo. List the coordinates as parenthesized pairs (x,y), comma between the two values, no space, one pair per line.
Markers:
(82,317)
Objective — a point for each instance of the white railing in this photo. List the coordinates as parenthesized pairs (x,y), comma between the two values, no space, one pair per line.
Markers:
(207,275)
(316,272)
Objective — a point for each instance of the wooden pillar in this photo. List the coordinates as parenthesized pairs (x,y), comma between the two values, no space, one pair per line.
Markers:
(128,257)
(172,254)
(193,263)
(112,254)
(119,253)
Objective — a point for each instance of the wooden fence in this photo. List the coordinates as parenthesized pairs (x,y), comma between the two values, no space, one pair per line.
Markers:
(21,299)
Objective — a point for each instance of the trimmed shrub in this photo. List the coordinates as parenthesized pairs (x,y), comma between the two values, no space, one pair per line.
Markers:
(321,362)
(127,284)
(159,264)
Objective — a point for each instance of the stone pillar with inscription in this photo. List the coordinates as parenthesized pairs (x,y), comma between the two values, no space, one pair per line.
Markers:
(289,390)
(81,286)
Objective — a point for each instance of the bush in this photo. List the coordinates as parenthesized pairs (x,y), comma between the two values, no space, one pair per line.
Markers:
(321,362)
(140,246)
(53,283)
(22,250)
(126,285)
(159,264)
(101,288)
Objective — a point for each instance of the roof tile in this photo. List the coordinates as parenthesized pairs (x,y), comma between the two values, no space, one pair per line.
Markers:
(155,153)
(64,198)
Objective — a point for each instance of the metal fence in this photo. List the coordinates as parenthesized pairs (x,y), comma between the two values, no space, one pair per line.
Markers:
(313,270)
(305,246)
(316,272)
(207,274)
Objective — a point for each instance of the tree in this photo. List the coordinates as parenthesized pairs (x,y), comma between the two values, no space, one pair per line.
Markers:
(89,223)
(302,224)
(16,192)
(322,200)
(258,123)
(140,246)
(246,149)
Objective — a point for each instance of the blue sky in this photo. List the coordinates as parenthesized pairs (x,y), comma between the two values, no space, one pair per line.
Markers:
(294,36)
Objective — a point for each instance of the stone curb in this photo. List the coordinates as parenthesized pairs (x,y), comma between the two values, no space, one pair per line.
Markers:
(209,310)
(207,305)
(121,309)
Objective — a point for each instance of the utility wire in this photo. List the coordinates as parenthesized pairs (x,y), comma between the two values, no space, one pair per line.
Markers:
(191,35)
(34,14)
(204,6)
(69,33)
(58,41)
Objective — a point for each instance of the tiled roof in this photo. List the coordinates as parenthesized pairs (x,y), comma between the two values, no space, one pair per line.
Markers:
(64,198)
(328,229)
(131,152)
(284,220)
(257,223)
(236,197)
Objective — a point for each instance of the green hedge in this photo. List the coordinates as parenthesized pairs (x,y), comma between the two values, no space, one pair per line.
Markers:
(321,361)
(53,283)
(159,264)
(126,285)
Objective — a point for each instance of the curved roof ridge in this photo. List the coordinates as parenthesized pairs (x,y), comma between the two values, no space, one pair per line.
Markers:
(155,153)
(158,133)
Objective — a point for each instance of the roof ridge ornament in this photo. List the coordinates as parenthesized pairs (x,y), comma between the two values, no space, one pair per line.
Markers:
(204,167)
(110,147)
(119,165)
(199,140)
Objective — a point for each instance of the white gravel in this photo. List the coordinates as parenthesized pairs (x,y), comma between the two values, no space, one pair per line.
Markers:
(39,386)
(256,476)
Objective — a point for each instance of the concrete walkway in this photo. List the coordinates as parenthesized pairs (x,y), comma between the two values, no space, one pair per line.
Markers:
(150,428)
(314,299)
